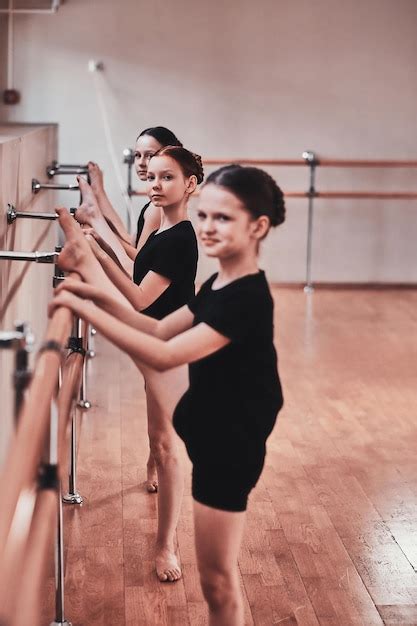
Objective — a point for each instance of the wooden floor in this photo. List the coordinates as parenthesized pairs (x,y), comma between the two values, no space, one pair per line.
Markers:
(332,526)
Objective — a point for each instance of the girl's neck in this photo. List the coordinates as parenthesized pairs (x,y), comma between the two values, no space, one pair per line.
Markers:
(172,215)
(233,268)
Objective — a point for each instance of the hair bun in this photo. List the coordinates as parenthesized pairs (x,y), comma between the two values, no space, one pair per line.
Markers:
(200,169)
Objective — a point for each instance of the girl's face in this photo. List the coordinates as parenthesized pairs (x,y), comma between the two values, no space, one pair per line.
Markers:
(145,148)
(167,184)
(225,228)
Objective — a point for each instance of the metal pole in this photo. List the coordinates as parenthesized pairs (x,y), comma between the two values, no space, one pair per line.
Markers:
(59,548)
(21,340)
(13,215)
(311,160)
(37,257)
(73,496)
(83,403)
(58,169)
(22,374)
(37,186)
(59,570)
(91,353)
(58,276)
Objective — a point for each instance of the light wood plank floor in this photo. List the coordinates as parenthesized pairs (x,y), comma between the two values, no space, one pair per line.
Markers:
(332,526)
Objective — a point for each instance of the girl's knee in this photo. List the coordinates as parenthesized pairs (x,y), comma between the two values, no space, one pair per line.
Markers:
(163,448)
(219,587)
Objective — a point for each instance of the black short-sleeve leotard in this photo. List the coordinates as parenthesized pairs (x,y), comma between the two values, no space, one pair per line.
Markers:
(234,396)
(141,223)
(171,253)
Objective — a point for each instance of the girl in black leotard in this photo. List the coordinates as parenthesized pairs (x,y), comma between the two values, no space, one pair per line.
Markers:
(97,211)
(226,334)
(164,273)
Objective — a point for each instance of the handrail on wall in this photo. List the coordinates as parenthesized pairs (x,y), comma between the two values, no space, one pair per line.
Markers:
(29,500)
(312,161)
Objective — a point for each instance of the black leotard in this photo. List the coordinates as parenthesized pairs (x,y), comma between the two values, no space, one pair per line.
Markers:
(141,223)
(171,253)
(234,395)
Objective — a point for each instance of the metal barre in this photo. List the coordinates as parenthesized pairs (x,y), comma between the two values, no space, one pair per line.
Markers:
(37,257)
(21,340)
(37,186)
(65,169)
(13,215)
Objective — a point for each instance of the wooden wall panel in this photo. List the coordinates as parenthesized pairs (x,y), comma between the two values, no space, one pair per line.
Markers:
(25,288)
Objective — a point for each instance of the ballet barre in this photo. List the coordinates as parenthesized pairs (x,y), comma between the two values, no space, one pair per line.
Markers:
(310,159)
(21,340)
(31,480)
(36,257)
(13,215)
(66,169)
(37,186)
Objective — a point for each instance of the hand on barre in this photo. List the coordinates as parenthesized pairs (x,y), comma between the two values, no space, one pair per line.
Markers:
(70,301)
(83,290)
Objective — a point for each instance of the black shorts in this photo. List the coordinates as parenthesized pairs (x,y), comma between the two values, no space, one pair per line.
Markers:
(223,485)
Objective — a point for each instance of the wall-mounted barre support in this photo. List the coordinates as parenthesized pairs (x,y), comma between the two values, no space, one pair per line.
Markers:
(13,215)
(129,159)
(69,169)
(21,340)
(37,257)
(76,345)
(37,186)
(312,161)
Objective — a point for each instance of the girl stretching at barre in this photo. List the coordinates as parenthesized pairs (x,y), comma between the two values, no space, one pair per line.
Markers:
(225,333)
(164,273)
(97,211)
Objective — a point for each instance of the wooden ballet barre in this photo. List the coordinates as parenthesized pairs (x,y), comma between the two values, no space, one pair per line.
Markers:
(376,163)
(23,457)
(20,557)
(382,195)
(36,560)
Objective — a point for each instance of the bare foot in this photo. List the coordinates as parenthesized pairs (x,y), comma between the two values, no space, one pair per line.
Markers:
(76,251)
(88,210)
(167,567)
(152,477)
(96,178)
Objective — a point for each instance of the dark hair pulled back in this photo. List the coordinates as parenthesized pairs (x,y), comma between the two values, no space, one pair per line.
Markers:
(190,163)
(163,135)
(255,188)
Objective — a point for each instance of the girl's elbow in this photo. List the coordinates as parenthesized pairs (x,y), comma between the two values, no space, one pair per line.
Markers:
(165,362)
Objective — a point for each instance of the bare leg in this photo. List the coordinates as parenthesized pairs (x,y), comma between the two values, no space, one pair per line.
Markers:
(152,475)
(218,537)
(77,256)
(89,213)
(162,392)
(106,207)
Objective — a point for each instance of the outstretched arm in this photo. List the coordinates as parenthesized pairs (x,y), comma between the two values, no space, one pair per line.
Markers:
(193,344)
(171,325)
(77,256)
(140,296)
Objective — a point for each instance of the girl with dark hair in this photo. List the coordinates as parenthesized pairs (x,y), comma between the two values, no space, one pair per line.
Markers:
(164,274)
(225,333)
(97,211)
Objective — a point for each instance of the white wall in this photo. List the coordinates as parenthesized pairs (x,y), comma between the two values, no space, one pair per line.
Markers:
(242,78)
